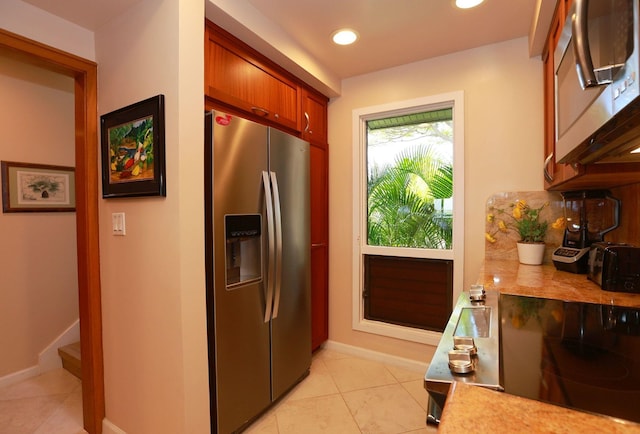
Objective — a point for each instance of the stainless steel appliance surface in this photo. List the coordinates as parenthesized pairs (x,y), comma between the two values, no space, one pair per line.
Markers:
(582,356)
(615,267)
(477,318)
(257,217)
(596,66)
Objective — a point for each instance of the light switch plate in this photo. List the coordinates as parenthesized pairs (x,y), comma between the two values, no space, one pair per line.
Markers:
(117,223)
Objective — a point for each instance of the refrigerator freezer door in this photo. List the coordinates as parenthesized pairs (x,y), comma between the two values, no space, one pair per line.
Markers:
(242,353)
(291,328)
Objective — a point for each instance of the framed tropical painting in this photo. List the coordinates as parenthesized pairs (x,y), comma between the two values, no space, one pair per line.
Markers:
(133,159)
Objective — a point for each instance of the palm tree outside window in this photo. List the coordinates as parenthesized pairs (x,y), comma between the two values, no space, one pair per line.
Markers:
(409,189)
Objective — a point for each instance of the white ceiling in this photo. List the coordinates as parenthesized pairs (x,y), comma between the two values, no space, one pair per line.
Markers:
(395,32)
(392,32)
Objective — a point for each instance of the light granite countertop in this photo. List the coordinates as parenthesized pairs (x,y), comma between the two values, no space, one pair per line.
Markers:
(511,277)
(476,409)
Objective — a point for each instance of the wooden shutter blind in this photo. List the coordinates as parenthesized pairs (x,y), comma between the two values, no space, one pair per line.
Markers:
(413,292)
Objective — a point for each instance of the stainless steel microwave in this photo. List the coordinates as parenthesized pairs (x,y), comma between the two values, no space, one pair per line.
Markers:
(596,61)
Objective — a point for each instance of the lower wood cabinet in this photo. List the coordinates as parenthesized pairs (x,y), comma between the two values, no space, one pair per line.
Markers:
(319,162)
(319,295)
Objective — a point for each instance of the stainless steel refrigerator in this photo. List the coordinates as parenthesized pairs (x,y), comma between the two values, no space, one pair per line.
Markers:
(257,213)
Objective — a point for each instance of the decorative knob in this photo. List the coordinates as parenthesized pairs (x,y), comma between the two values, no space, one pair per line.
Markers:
(477,293)
(465,343)
(461,362)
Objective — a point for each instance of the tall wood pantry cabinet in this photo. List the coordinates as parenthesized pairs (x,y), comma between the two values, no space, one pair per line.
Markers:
(240,80)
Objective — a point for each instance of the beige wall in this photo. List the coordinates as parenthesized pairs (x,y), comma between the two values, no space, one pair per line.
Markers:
(154,323)
(153,289)
(153,278)
(503,152)
(39,286)
(27,20)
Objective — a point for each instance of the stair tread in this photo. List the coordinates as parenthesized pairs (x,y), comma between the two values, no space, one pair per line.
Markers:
(70,355)
(72,350)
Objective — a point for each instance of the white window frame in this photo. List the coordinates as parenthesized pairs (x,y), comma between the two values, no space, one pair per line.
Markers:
(455,101)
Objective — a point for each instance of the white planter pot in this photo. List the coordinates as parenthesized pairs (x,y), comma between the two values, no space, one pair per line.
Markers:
(531,253)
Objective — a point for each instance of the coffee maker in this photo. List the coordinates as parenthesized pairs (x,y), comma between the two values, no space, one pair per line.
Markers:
(589,214)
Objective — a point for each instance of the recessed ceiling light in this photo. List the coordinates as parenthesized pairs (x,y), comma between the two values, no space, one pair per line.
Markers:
(466,4)
(344,37)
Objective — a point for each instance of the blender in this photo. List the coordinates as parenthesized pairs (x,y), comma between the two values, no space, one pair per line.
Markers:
(589,214)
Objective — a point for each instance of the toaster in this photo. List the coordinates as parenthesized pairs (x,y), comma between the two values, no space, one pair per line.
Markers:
(615,267)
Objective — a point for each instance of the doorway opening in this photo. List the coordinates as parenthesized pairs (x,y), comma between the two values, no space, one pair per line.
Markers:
(84,73)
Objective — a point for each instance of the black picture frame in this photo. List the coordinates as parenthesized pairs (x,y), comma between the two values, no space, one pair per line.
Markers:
(133,150)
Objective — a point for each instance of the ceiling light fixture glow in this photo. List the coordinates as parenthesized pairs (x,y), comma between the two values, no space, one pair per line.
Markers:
(466,4)
(344,37)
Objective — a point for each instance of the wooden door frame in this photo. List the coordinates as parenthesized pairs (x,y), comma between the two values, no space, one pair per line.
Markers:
(84,73)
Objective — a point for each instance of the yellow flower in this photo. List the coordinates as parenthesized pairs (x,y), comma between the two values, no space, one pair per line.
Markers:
(522,204)
(517,212)
(502,226)
(489,237)
(490,218)
(559,223)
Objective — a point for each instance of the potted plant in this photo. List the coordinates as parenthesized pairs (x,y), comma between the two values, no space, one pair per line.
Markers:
(526,221)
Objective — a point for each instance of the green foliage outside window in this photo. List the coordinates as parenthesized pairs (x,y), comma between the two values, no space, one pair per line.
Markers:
(403,199)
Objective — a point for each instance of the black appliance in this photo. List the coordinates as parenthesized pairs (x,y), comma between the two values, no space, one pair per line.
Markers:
(582,356)
(589,215)
(615,267)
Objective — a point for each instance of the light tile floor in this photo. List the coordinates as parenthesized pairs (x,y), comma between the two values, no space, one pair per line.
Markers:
(346,394)
(343,394)
(50,403)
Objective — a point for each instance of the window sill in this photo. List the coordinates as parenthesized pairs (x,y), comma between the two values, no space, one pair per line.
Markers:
(397,332)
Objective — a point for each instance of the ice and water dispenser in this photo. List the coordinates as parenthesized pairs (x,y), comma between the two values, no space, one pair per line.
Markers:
(243,249)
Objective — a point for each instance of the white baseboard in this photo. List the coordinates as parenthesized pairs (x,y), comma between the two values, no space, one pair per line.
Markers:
(109,427)
(48,359)
(16,377)
(411,365)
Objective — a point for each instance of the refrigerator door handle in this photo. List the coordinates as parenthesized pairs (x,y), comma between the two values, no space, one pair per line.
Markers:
(278,232)
(271,253)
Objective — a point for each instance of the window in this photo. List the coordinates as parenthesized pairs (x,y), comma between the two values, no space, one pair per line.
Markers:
(408,180)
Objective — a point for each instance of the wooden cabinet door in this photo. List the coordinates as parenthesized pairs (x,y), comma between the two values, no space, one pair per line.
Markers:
(319,295)
(239,78)
(554,173)
(314,112)
(243,82)
(319,195)
(319,245)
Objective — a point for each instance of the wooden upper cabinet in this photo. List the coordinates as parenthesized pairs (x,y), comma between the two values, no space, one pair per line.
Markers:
(554,173)
(238,77)
(314,114)
(243,82)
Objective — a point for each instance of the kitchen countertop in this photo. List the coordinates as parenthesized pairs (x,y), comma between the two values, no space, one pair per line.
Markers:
(476,409)
(511,277)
